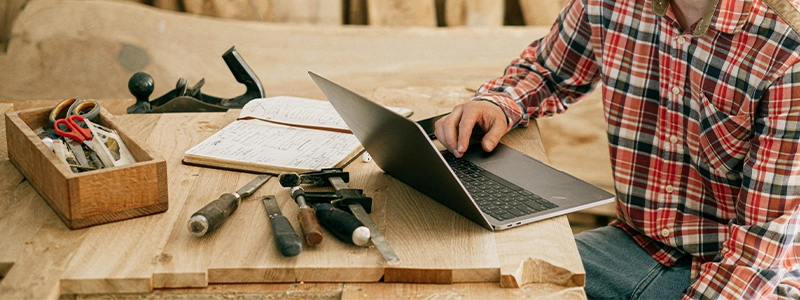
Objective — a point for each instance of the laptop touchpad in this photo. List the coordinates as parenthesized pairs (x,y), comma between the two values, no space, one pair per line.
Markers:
(519,168)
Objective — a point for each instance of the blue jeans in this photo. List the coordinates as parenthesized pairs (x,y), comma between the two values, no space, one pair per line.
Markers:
(618,268)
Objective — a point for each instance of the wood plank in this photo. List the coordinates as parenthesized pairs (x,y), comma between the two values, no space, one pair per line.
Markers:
(36,255)
(175,5)
(186,256)
(319,12)
(476,13)
(540,12)
(4,109)
(357,12)
(256,259)
(131,250)
(19,208)
(402,13)
(289,291)
(458,291)
(226,9)
(322,12)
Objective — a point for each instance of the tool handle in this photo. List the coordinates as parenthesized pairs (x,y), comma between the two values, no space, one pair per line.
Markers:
(213,214)
(342,224)
(310,226)
(286,239)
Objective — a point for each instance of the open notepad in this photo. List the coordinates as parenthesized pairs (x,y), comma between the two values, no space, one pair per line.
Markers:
(281,134)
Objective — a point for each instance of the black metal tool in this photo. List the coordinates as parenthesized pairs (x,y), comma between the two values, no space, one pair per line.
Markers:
(349,199)
(286,239)
(189,99)
(215,213)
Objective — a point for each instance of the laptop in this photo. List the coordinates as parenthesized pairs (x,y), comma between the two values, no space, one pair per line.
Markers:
(498,190)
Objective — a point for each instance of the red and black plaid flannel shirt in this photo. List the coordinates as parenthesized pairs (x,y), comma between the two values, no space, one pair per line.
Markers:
(704,132)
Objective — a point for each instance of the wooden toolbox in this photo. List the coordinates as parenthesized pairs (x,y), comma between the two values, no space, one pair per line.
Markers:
(93,197)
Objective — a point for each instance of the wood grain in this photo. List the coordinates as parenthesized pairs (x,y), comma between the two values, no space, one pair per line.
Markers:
(37,253)
(475,13)
(401,13)
(318,12)
(540,12)
(458,291)
(41,59)
(157,250)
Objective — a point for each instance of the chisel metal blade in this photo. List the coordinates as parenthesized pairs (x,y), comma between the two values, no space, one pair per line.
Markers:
(375,235)
(253,185)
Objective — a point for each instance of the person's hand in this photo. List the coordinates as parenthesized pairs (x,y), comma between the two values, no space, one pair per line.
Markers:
(454,130)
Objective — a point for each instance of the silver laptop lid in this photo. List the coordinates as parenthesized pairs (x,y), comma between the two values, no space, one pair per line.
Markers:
(401,148)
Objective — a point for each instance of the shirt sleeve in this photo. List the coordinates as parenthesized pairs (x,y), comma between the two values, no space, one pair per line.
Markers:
(550,74)
(761,256)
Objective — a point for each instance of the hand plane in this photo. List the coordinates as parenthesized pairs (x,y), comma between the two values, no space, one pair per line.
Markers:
(189,99)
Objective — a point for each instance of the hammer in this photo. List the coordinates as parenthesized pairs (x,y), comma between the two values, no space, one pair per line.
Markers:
(352,199)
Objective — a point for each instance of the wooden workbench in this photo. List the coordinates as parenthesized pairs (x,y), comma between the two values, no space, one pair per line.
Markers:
(442,253)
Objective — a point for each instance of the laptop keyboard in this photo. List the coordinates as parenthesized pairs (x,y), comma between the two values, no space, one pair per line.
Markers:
(495,196)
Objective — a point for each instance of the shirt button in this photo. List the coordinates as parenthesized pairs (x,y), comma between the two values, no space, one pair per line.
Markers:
(676,90)
(665,232)
(681,40)
(673,139)
(669,189)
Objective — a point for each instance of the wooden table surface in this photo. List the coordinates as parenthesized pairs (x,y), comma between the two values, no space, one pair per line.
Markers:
(92,55)
(442,253)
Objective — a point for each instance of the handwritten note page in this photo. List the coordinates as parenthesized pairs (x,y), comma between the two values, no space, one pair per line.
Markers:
(262,143)
(299,111)
(293,110)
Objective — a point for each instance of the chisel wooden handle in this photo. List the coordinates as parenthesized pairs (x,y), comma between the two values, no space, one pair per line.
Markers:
(213,214)
(310,226)
(308,221)
(342,224)
(286,239)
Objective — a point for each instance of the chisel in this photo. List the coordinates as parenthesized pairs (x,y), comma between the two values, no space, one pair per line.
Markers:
(308,221)
(286,239)
(213,214)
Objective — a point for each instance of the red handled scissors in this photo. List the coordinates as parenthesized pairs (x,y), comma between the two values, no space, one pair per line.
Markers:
(72,127)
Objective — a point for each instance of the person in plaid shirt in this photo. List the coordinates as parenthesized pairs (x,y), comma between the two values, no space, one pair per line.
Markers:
(702,103)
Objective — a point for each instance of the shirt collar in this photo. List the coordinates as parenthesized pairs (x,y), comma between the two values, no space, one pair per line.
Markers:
(728,16)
